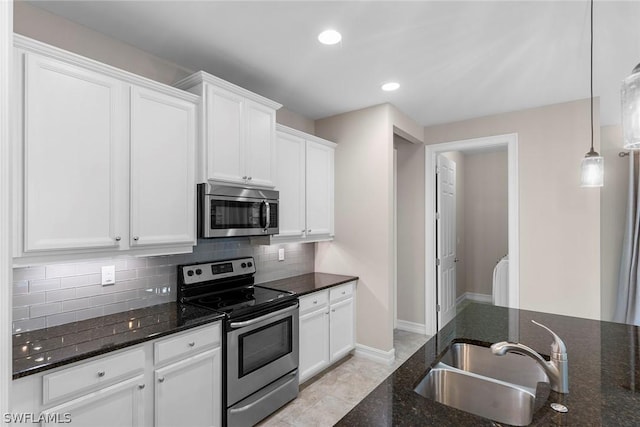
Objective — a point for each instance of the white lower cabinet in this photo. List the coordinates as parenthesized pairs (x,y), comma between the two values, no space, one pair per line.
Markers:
(171,381)
(188,392)
(327,328)
(121,404)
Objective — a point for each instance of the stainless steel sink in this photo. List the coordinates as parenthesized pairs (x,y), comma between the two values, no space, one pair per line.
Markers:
(470,378)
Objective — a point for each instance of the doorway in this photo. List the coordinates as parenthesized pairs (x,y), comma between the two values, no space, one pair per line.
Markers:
(434,320)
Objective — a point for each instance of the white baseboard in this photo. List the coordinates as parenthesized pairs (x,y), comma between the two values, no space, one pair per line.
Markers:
(472,296)
(386,357)
(416,328)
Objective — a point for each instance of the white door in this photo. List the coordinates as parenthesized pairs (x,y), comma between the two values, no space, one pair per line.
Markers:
(446,240)
(320,189)
(290,184)
(163,132)
(189,392)
(121,405)
(225,155)
(314,343)
(72,136)
(259,144)
(341,331)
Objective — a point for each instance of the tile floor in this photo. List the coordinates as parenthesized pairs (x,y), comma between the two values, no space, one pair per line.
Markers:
(326,398)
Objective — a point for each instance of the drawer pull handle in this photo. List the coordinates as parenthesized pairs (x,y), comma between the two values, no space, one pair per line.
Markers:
(101,374)
(161,379)
(140,386)
(118,238)
(333,310)
(315,302)
(344,292)
(192,343)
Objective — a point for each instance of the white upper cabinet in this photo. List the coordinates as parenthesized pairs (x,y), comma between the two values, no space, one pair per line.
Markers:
(237,133)
(71,136)
(105,160)
(305,168)
(162,169)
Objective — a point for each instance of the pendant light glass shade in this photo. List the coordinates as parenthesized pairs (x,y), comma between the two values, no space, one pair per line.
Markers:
(630,95)
(592,170)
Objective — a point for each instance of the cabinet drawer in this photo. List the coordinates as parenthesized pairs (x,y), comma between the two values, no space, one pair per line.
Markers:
(88,375)
(342,291)
(187,343)
(313,301)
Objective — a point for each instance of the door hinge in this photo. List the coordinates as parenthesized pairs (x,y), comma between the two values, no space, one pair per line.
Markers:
(437,216)
(437,307)
(437,261)
(437,170)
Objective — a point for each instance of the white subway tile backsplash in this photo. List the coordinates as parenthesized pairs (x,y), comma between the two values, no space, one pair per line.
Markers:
(60,270)
(43,285)
(21,287)
(28,299)
(28,273)
(40,310)
(61,293)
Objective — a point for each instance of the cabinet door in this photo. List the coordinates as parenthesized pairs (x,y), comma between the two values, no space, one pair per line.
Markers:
(73,124)
(121,404)
(290,184)
(314,343)
(225,153)
(260,146)
(163,132)
(320,190)
(341,319)
(189,392)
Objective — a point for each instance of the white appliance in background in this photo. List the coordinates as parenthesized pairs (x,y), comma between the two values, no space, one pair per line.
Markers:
(501,282)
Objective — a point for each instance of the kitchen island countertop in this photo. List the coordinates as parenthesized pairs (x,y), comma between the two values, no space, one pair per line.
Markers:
(604,372)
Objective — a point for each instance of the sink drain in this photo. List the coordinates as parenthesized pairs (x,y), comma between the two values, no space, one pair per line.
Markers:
(559,408)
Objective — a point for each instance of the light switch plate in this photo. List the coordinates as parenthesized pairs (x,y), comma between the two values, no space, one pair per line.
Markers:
(281,254)
(108,275)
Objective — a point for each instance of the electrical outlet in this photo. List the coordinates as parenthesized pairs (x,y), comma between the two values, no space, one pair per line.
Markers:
(108,275)
(281,254)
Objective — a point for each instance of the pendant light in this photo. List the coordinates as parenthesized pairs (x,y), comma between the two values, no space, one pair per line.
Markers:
(593,163)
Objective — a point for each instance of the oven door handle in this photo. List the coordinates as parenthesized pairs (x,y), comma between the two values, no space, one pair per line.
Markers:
(291,377)
(261,318)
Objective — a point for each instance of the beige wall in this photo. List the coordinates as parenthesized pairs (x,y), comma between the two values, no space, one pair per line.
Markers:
(559,220)
(364,213)
(461,267)
(486,221)
(613,213)
(410,230)
(294,120)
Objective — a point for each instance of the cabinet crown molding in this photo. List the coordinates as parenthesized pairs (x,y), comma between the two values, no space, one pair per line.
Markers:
(304,135)
(202,76)
(34,46)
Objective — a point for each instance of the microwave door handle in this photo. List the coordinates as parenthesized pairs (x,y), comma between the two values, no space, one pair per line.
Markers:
(266,214)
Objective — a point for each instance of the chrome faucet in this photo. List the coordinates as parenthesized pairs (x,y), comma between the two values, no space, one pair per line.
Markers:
(557,369)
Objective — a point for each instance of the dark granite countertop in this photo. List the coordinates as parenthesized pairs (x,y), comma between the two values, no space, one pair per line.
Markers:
(44,349)
(308,283)
(604,372)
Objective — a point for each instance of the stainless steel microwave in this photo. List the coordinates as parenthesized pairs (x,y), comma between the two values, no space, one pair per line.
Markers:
(225,211)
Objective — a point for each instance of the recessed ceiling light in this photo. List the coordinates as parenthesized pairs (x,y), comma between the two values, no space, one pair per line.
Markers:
(329,37)
(388,87)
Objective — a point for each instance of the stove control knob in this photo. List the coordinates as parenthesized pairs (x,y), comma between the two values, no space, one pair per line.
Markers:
(250,264)
(243,265)
(190,273)
(198,271)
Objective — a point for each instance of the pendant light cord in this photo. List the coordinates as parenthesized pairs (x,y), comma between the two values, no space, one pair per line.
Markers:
(591,76)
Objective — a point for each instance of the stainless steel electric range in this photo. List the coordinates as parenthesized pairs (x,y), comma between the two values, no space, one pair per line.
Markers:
(260,362)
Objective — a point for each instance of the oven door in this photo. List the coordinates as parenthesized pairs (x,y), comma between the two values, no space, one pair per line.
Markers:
(261,350)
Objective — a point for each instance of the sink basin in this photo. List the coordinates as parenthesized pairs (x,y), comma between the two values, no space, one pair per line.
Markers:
(502,388)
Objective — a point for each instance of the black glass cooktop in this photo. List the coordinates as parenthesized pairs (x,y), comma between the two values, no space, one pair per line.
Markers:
(237,301)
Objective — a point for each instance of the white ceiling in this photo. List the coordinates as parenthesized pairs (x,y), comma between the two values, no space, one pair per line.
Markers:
(454,60)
